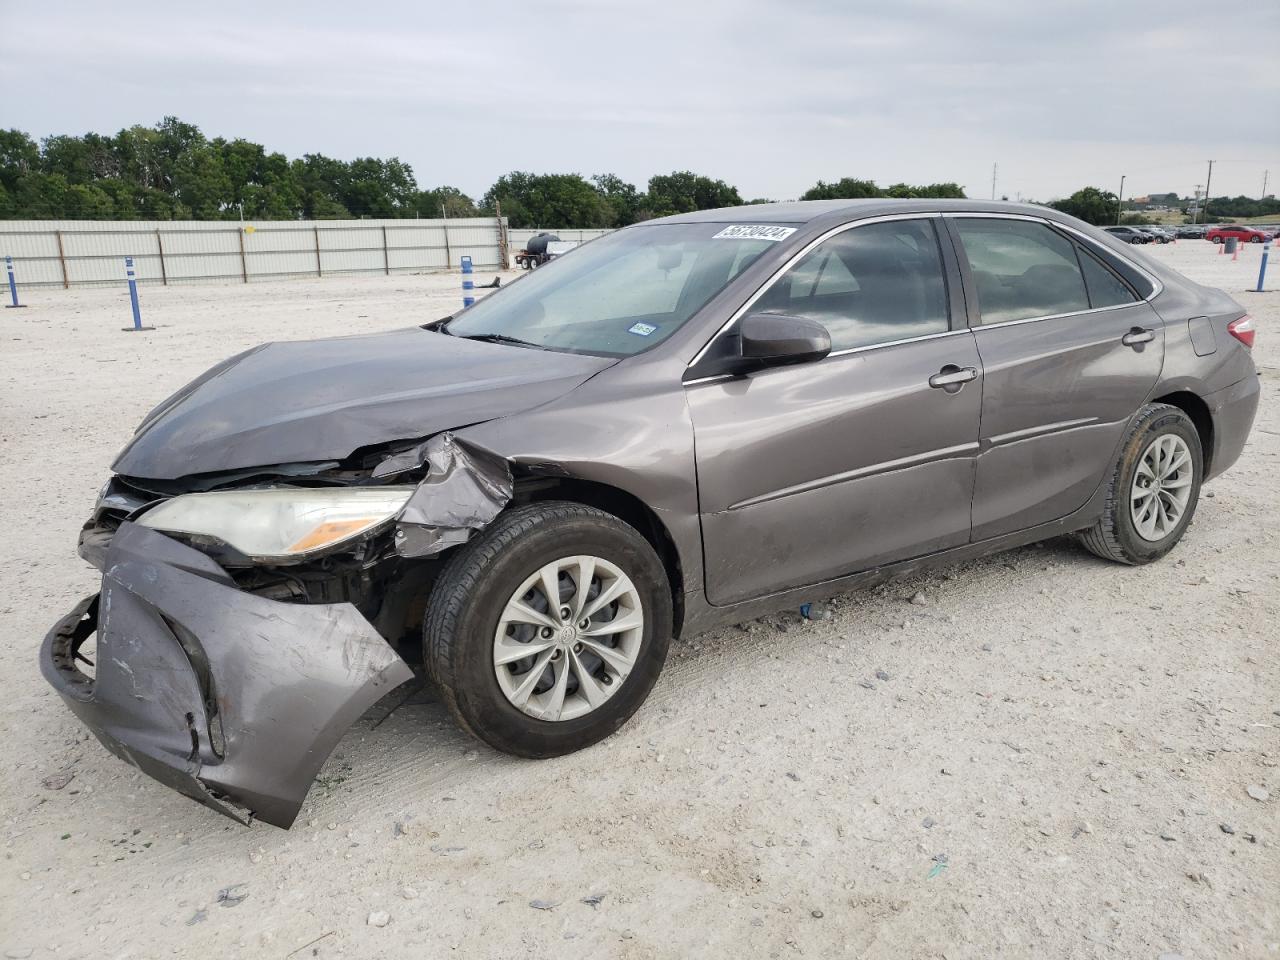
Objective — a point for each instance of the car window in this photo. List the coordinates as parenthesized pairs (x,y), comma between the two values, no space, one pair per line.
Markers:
(868,285)
(1105,288)
(1022,269)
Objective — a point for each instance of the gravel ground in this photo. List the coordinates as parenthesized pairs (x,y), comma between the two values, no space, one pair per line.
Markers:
(1034,755)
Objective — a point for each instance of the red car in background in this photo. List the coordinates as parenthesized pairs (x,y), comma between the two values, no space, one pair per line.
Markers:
(1243,234)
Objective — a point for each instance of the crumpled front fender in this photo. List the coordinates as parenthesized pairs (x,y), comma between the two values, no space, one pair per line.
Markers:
(217,693)
(466,487)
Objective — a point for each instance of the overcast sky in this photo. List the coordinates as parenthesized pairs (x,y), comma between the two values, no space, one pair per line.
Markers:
(770,96)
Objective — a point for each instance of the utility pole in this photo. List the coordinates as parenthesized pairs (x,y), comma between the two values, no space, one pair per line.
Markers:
(1265,174)
(1207,183)
(994,168)
(1120,200)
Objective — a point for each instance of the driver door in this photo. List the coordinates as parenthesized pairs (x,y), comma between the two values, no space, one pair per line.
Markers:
(810,472)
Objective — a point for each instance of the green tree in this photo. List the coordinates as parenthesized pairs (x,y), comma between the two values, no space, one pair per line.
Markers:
(851,188)
(624,201)
(547,200)
(1090,205)
(19,156)
(1242,207)
(683,191)
(450,201)
(41,196)
(85,201)
(846,188)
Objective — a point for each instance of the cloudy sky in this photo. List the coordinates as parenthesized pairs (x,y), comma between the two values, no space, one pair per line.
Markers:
(770,96)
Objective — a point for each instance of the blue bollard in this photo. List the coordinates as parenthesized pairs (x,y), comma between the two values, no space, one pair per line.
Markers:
(468,284)
(13,286)
(1262,270)
(133,298)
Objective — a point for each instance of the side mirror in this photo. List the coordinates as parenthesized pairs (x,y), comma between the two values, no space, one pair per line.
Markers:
(772,340)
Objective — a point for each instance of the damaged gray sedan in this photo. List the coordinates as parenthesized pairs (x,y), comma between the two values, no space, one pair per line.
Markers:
(684,424)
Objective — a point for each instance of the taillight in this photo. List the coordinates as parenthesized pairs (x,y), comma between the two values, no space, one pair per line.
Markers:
(1243,330)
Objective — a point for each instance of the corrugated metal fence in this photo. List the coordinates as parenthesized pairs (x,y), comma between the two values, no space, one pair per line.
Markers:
(91,252)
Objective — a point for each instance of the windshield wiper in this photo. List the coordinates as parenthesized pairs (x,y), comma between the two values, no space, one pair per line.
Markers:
(501,338)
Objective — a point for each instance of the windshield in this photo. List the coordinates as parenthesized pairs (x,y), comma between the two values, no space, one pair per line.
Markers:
(621,294)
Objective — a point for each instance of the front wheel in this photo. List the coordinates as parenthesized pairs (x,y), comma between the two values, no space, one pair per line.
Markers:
(1153,489)
(546,633)
(1255,239)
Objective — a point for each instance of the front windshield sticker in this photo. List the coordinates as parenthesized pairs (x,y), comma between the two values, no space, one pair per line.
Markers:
(641,329)
(754,232)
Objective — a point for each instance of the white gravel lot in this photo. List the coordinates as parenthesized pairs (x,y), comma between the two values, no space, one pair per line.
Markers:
(1049,757)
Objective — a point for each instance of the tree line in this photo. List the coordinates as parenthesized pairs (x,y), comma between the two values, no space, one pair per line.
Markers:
(1102,207)
(172,171)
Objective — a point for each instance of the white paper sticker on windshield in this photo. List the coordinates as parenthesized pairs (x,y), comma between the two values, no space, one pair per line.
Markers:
(747,231)
(641,329)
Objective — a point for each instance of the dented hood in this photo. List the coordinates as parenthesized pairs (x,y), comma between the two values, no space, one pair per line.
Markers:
(323,399)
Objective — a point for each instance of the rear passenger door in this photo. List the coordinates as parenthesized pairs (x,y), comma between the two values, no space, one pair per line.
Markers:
(1069,353)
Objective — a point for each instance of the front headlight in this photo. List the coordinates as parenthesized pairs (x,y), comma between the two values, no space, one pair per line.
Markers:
(280,524)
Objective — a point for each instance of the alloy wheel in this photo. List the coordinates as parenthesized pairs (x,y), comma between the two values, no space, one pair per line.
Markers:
(1161,487)
(568,637)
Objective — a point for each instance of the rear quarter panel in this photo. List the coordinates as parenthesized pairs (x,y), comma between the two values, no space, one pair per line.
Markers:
(1200,355)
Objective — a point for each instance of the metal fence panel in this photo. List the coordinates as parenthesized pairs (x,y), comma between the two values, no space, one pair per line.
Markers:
(92,252)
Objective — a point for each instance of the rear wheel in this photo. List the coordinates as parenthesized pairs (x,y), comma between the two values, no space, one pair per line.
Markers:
(1153,489)
(546,633)
(1255,239)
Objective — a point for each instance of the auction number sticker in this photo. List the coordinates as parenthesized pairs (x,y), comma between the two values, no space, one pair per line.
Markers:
(746,231)
(641,329)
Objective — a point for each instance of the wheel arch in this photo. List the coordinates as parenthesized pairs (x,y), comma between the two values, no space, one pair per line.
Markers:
(628,508)
(1198,411)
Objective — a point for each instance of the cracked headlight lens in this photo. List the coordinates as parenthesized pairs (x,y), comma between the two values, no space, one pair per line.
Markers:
(282,523)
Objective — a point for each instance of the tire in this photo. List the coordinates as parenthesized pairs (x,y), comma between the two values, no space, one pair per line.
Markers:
(1216,239)
(1255,239)
(468,604)
(1116,535)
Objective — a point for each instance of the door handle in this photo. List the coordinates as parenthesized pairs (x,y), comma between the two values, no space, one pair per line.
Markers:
(1136,336)
(952,376)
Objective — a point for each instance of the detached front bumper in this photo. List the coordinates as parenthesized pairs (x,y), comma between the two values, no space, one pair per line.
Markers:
(217,693)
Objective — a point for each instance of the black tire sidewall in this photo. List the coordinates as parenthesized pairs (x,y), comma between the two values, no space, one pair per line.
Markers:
(475,687)
(1168,420)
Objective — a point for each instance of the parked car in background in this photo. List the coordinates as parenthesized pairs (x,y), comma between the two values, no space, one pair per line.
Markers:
(1190,231)
(1158,234)
(1129,234)
(1241,233)
(685,424)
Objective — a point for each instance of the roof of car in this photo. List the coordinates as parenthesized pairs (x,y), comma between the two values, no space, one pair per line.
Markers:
(803,211)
